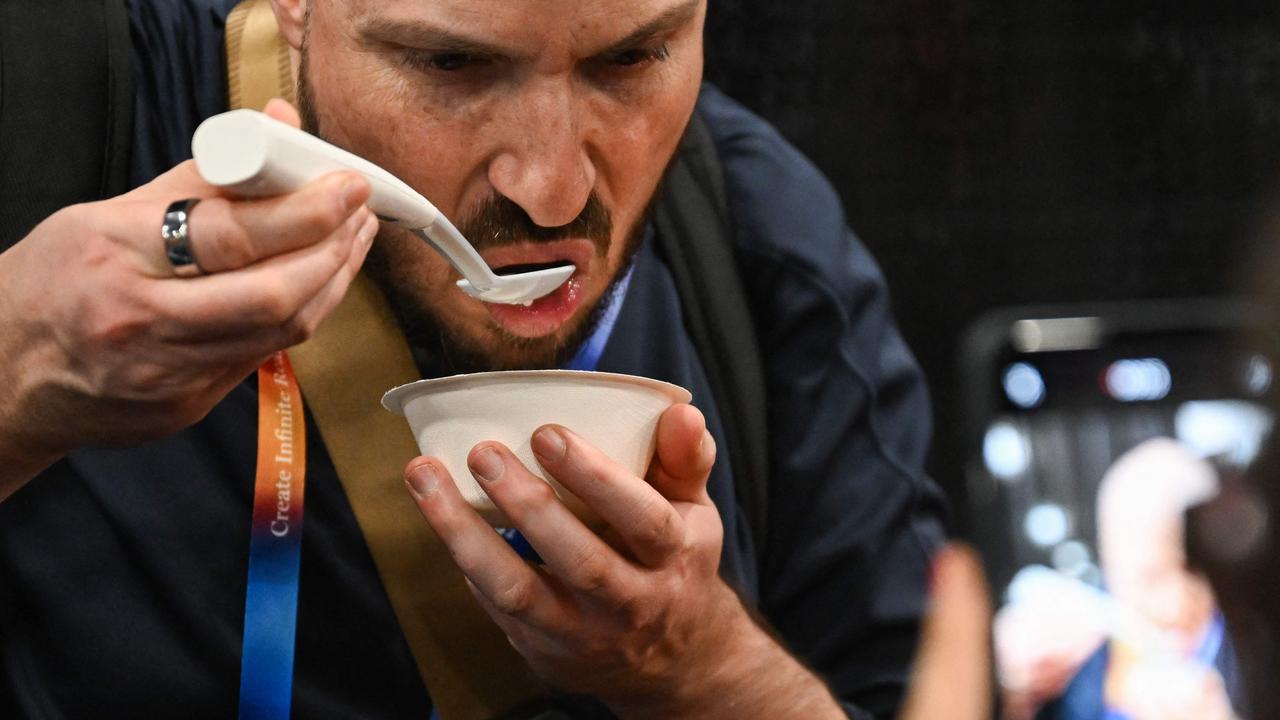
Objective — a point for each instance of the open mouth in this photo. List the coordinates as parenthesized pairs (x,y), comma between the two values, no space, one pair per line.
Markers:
(519,268)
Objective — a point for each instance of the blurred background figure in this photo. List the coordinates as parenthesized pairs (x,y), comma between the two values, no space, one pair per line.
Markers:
(1153,646)
(1171,658)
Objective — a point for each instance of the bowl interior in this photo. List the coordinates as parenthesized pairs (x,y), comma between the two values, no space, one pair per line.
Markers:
(616,413)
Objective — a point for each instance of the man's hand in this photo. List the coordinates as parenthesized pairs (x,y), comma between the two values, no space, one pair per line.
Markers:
(636,615)
(102,344)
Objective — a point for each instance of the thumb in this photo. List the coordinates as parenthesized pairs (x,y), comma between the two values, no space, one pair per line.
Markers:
(683,455)
(278,109)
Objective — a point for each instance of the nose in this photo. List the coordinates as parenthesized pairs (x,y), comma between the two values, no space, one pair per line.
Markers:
(543,164)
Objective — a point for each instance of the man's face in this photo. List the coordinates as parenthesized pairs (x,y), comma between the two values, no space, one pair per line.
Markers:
(540,128)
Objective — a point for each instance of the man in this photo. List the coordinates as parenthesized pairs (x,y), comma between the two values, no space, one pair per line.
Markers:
(545,129)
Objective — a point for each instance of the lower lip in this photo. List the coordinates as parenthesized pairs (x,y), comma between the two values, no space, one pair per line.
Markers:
(542,317)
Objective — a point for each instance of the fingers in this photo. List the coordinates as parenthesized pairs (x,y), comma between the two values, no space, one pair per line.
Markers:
(280,109)
(505,581)
(227,234)
(645,521)
(951,677)
(685,452)
(574,553)
(269,293)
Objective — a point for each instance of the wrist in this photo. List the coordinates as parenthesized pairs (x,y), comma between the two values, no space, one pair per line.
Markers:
(24,453)
(709,670)
(737,670)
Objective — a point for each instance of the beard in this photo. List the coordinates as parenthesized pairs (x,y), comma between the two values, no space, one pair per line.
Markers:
(441,347)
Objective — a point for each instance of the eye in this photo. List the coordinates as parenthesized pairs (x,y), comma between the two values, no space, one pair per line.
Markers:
(447,62)
(640,56)
(450,61)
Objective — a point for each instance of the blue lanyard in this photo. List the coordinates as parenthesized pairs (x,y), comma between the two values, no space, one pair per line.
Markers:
(588,356)
(275,546)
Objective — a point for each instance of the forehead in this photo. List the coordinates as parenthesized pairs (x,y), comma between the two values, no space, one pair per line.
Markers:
(516,26)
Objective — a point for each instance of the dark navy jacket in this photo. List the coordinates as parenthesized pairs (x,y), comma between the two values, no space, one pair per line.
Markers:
(122,572)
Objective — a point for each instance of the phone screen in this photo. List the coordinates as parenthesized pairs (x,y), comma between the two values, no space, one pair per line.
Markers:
(1094,433)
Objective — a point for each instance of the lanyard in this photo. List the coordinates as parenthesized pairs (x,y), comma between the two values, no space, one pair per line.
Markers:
(275,546)
(588,356)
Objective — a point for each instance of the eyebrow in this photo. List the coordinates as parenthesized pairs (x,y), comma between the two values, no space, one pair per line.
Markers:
(418,34)
(669,21)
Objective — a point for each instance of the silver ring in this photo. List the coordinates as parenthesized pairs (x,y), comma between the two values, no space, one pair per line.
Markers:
(177,238)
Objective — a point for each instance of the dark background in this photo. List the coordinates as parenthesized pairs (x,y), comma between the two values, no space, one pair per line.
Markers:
(998,152)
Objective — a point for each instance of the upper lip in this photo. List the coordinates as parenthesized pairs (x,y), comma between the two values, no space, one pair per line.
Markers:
(575,251)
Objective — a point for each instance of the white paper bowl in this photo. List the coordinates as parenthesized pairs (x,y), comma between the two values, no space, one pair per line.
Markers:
(616,413)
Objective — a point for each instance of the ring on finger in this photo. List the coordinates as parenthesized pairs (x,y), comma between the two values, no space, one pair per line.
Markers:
(176,232)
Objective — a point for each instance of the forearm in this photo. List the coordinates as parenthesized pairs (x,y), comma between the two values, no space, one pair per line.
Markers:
(746,675)
(23,454)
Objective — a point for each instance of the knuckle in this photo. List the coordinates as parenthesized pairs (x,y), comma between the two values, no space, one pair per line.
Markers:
(112,326)
(327,215)
(537,494)
(295,333)
(593,576)
(657,527)
(155,379)
(304,325)
(337,253)
(274,307)
(514,598)
(528,500)
(220,244)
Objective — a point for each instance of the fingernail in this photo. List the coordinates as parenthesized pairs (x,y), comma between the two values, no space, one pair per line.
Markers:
(353,193)
(355,221)
(368,230)
(487,465)
(422,480)
(548,444)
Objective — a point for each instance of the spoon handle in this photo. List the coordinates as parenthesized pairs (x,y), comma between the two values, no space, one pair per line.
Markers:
(254,155)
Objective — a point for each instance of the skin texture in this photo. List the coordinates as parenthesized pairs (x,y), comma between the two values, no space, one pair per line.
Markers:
(557,104)
(547,104)
(104,346)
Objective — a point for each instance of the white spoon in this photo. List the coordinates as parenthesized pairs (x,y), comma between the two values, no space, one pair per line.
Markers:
(254,155)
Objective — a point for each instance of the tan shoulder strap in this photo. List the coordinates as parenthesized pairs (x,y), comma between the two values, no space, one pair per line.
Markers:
(258,66)
(468,666)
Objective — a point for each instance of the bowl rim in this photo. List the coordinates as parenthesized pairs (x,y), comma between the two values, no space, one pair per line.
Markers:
(395,398)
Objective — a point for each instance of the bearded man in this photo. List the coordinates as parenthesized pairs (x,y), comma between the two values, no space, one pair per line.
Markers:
(545,130)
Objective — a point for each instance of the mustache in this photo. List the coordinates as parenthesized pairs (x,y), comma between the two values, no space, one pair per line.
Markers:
(498,221)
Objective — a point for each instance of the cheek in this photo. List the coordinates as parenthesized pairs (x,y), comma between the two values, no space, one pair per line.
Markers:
(367,108)
(633,145)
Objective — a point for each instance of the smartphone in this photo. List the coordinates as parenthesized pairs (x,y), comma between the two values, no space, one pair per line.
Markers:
(1090,430)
